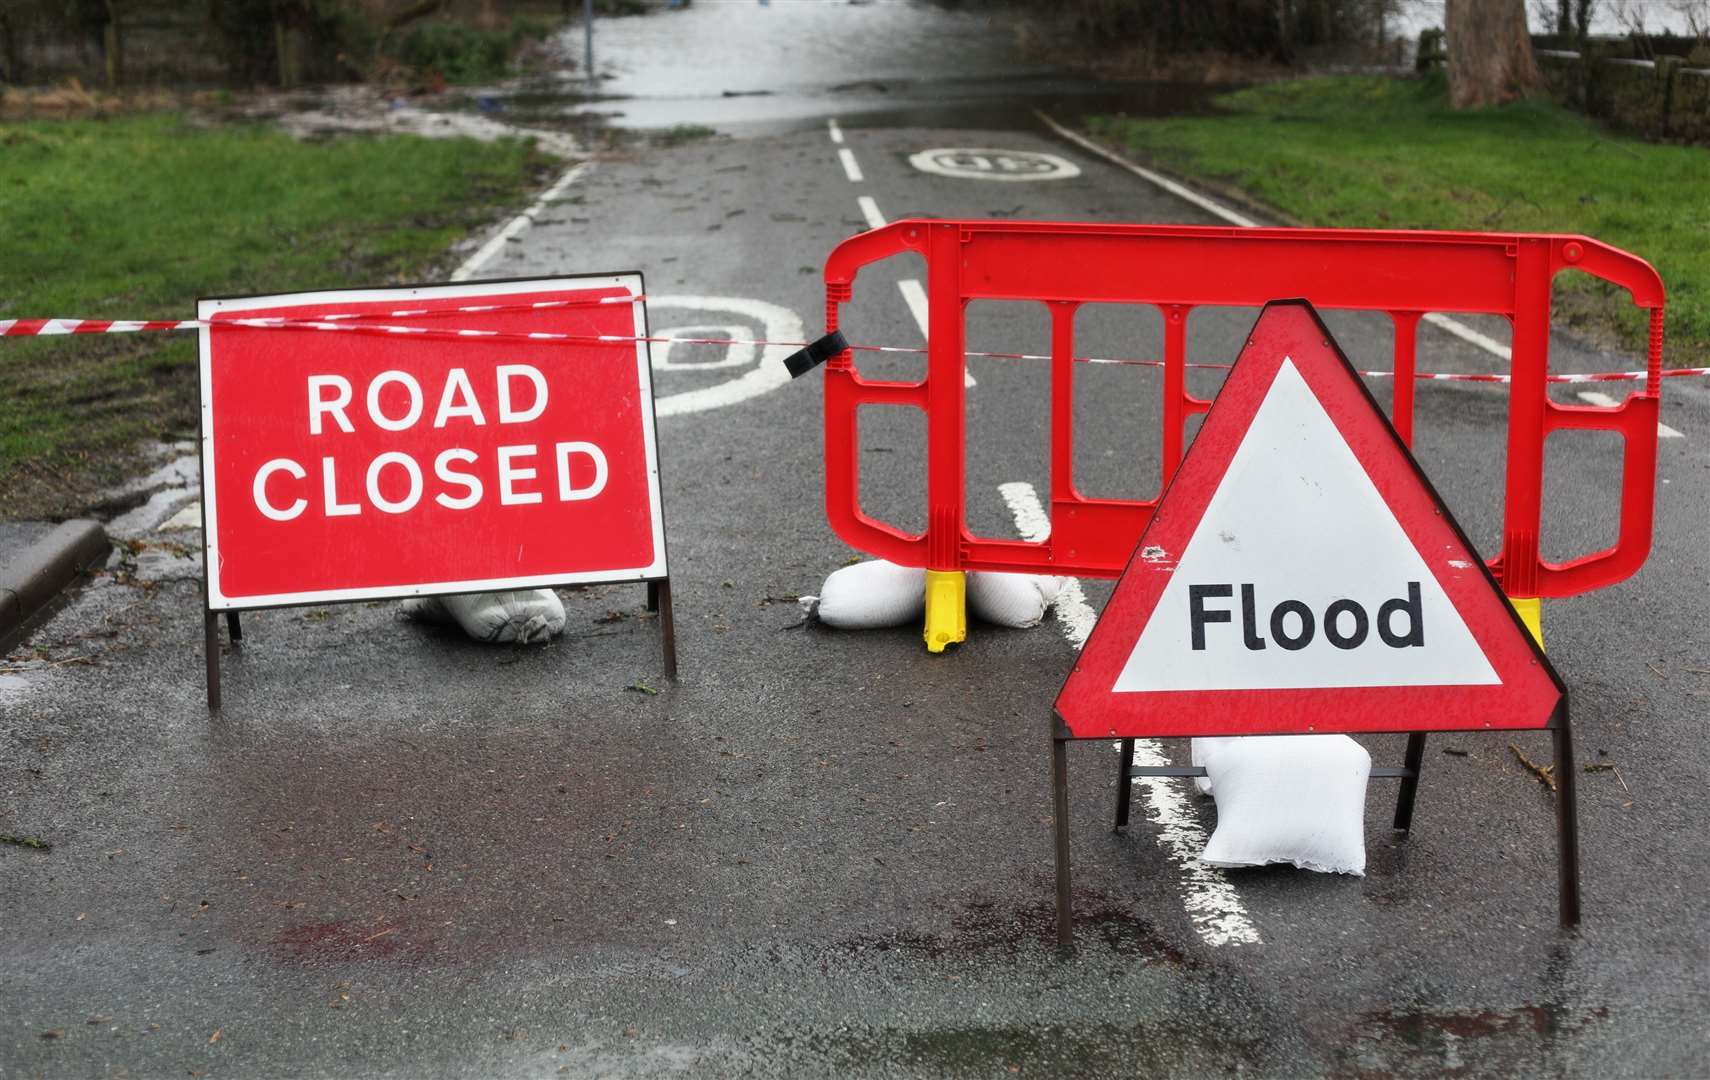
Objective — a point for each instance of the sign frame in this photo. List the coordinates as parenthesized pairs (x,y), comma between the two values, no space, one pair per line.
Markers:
(655,575)
(1257,349)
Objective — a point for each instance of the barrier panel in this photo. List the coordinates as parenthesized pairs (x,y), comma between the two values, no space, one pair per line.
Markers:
(1177,268)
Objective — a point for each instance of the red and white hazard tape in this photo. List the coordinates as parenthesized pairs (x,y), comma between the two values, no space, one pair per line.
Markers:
(347,322)
(54,327)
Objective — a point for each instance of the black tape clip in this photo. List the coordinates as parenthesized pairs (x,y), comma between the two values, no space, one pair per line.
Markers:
(804,361)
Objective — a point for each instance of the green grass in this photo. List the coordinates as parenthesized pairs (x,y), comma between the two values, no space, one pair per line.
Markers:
(1372,152)
(136,216)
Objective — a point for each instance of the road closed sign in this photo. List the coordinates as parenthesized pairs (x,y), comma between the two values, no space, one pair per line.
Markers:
(398,442)
(1300,574)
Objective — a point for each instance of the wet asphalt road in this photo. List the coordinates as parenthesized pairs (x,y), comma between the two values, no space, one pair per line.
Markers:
(397,853)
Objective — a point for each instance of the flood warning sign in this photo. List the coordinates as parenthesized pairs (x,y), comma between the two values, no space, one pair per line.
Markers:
(1300,574)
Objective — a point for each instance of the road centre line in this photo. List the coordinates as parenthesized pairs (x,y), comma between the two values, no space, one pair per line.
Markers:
(519,223)
(835,131)
(1211,901)
(1597,397)
(913,293)
(870,211)
(851,167)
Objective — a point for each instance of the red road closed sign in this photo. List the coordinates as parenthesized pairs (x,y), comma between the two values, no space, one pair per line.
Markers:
(1301,575)
(360,463)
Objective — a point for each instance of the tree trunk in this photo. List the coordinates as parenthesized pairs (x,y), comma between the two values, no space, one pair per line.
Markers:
(1489,52)
(113,46)
(11,62)
(1582,21)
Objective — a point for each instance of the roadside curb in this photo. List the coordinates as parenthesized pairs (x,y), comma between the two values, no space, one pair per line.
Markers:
(33,577)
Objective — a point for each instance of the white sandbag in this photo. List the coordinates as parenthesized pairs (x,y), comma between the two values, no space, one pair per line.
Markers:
(1017,600)
(1201,749)
(869,595)
(1298,799)
(500,618)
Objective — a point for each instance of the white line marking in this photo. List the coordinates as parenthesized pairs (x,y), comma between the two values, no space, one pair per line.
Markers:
(1073,612)
(914,295)
(1598,397)
(836,132)
(518,223)
(1468,334)
(850,166)
(1216,209)
(870,211)
(1211,206)
(1211,901)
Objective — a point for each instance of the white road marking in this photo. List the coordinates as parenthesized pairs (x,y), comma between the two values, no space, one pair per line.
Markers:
(984,163)
(1217,209)
(777,324)
(1469,335)
(1074,614)
(1598,397)
(519,223)
(1211,901)
(850,167)
(914,295)
(836,132)
(870,211)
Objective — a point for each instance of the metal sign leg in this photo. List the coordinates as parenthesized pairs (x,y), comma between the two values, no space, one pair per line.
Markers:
(652,596)
(211,646)
(1412,763)
(1124,784)
(667,626)
(234,627)
(1567,819)
(1060,798)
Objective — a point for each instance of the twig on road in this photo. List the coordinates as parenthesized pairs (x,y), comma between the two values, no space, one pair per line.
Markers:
(1546,774)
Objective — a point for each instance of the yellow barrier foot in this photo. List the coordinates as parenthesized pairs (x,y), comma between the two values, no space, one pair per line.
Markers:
(946,608)
(1530,610)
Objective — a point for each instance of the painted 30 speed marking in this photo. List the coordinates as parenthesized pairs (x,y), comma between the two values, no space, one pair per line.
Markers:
(990,164)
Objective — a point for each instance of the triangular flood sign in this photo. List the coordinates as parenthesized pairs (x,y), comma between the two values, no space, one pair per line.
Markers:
(1301,575)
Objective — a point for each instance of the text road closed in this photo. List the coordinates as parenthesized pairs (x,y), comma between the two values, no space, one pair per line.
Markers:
(347,465)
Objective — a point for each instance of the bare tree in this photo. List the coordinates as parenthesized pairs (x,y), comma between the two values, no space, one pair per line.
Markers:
(1489,52)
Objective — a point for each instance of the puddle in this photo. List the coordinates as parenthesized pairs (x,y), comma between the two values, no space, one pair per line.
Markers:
(1433,1043)
(980,927)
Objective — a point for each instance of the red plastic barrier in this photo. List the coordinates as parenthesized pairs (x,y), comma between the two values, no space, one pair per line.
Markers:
(1176,268)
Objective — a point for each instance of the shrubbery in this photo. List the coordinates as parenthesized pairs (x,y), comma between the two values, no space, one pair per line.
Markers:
(282,42)
(460,53)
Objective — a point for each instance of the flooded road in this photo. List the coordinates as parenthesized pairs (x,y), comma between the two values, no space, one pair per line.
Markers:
(743,67)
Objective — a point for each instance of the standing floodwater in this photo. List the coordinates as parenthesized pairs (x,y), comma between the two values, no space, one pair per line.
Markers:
(739,64)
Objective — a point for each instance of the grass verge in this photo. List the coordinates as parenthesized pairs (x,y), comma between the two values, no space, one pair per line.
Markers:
(1373,152)
(136,216)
